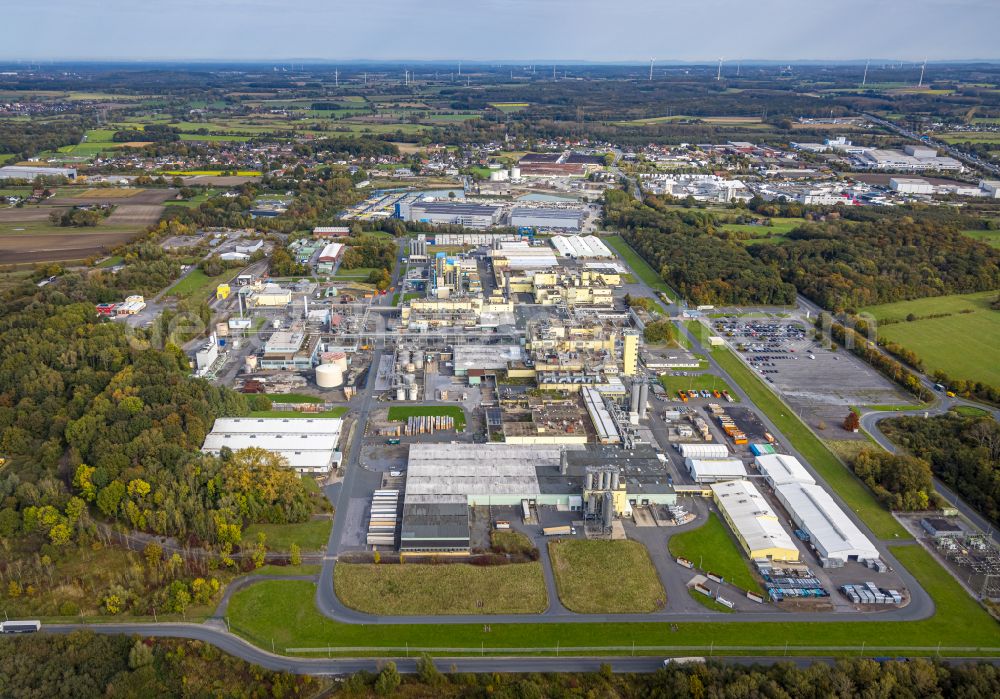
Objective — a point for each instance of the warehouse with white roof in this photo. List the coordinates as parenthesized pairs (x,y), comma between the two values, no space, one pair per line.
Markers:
(714,470)
(753,521)
(782,469)
(308,444)
(836,538)
(587,246)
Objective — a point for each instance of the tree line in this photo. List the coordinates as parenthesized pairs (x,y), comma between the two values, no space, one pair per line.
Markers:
(964,452)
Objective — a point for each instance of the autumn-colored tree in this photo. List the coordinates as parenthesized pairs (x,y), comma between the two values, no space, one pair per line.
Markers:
(852,423)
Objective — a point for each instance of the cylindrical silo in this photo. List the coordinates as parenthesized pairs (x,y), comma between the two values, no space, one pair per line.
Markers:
(643,398)
(329,376)
(590,480)
(401,393)
(418,360)
(615,480)
(634,407)
(413,391)
(410,379)
(250,363)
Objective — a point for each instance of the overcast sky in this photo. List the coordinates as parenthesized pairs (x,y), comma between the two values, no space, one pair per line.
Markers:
(497,30)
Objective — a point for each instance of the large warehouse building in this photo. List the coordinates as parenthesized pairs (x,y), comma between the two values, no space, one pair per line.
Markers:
(582,246)
(753,521)
(308,444)
(836,538)
(455,213)
(547,218)
(444,480)
(30,172)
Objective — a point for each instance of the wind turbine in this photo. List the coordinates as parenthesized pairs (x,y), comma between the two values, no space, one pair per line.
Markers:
(718,75)
(864,78)
(651,60)
(920,83)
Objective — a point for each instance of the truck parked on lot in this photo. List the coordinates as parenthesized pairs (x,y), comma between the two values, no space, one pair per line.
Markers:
(564,530)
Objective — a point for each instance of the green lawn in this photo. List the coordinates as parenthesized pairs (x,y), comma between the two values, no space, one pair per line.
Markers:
(310,536)
(336,412)
(198,285)
(698,382)
(589,577)
(712,548)
(293,398)
(963,344)
(285,614)
(399,413)
(852,490)
(448,588)
(111,261)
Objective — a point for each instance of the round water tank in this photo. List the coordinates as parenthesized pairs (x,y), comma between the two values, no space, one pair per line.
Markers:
(413,392)
(401,393)
(329,376)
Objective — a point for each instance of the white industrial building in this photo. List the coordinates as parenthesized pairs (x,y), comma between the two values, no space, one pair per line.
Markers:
(923,159)
(782,469)
(715,470)
(580,246)
(753,521)
(911,185)
(607,430)
(547,218)
(836,538)
(520,255)
(30,172)
(703,451)
(308,444)
(455,213)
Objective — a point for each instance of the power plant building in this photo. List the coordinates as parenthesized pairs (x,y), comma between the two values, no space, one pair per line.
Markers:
(755,524)
(309,445)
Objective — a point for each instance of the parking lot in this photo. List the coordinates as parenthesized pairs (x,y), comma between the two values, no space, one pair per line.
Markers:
(820,384)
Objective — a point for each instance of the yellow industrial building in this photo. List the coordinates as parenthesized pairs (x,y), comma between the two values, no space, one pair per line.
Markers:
(630,353)
(222,292)
(752,520)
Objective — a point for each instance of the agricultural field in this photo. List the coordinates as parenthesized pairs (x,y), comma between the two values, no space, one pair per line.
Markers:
(445,589)
(963,343)
(970,137)
(696,382)
(712,548)
(400,413)
(39,241)
(590,581)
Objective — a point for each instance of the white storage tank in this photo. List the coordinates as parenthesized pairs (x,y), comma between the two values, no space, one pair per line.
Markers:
(329,376)
(401,393)
(338,359)
(413,392)
(250,363)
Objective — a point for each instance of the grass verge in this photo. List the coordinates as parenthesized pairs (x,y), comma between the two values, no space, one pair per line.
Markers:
(712,548)
(639,265)
(708,602)
(450,588)
(336,412)
(602,577)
